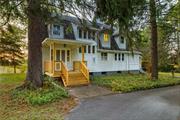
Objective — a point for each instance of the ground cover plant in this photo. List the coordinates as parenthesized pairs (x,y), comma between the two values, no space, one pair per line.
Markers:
(134,82)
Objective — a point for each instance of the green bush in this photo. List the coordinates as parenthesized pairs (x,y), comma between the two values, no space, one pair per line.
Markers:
(49,93)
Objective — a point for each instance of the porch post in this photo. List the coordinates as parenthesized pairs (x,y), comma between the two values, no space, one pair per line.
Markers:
(50,65)
(82,53)
(53,57)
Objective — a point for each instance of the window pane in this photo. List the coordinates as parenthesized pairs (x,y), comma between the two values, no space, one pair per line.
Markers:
(122,39)
(80,33)
(106,37)
(85,32)
(102,56)
(89,49)
(57,55)
(56,29)
(119,57)
(84,49)
(89,34)
(115,56)
(93,49)
(63,55)
(80,50)
(122,56)
(93,35)
(68,55)
(51,54)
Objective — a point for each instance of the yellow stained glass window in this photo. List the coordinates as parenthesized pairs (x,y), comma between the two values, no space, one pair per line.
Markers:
(106,37)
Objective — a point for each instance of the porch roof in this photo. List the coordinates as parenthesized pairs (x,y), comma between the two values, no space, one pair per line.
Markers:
(48,41)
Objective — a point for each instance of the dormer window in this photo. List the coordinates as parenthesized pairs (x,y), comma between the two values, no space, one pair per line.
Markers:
(122,40)
(80,33)
(56,30)
(106,37)
(89,35)
(85,34)
(93,35)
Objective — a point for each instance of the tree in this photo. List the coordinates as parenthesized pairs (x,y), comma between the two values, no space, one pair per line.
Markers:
(36,13)
(154,40)
(11,46)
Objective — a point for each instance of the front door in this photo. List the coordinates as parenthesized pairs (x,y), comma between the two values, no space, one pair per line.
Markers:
(65,56)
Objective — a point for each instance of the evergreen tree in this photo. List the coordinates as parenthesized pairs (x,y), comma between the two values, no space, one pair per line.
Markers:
(11,46)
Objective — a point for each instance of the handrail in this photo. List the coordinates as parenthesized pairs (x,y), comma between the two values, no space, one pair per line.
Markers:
(85,70)
(64,71)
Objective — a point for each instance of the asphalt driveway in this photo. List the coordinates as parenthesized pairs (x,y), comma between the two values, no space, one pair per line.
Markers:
(156,104)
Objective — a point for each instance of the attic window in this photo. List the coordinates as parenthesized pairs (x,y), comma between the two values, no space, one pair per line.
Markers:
(93,35)
(106,37)
(89,35)
(56,30)
(80,33)
(122,40)
(85,34)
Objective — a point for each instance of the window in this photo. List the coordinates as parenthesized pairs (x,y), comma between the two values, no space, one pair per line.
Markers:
(80,50)
(57,55)
(89,35)
(122,56)
(104,56)
(56,30)
(122,40)
(93,35)
(85,34)
(68,55)
(106,37)
(93,49)
(80,33)
(89,49)
(119,57)
(84,49)
(51,54)
(115,56)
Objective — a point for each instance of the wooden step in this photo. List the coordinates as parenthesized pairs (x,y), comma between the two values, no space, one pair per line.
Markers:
(77,78)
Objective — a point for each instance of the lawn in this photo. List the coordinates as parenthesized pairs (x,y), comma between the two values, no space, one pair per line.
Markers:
(134,82)
(47,103)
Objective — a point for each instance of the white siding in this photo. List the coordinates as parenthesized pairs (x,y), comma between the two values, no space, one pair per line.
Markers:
(95,64)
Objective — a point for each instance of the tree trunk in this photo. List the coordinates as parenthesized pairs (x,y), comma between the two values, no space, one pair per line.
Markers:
(154,39)
(36,34)
(14,69)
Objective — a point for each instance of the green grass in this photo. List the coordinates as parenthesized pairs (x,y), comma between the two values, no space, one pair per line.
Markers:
(48,103)
(12,78)
(130,82)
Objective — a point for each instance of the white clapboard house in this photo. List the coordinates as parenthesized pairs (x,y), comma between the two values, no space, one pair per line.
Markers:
(73,51)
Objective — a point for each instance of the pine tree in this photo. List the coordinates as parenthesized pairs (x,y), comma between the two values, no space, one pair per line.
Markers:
(11,46)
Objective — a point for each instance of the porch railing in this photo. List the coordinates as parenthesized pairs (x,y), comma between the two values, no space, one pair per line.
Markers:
(64,72)
(85,70)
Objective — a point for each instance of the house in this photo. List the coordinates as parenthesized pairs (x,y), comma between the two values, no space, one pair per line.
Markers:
(74,52)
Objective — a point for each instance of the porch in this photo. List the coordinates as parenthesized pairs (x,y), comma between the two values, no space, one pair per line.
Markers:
(59,62)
